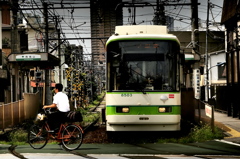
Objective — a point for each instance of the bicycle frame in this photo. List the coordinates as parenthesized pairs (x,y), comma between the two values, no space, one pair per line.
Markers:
(59,136)
(70,135)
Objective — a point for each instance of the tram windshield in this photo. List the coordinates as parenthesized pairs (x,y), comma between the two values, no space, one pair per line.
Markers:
(143,65)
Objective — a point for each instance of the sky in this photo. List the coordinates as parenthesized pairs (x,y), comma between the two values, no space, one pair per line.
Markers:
(180,13)
(75,22)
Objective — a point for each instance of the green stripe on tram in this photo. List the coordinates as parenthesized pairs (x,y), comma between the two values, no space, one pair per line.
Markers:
(143,110)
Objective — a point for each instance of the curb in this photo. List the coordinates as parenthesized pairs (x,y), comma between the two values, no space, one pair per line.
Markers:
(233,133)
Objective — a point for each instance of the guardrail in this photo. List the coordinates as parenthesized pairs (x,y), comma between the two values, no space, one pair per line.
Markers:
(14,113)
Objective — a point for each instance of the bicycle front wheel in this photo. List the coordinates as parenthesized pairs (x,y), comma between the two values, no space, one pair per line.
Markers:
(37,137)
(72,137)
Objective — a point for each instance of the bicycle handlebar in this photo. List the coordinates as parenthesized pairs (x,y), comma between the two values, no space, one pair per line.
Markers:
(47,111)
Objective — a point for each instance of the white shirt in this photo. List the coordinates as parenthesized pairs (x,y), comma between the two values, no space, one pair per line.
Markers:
(62,102)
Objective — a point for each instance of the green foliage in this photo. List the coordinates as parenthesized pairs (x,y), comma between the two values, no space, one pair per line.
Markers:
(18,137)
(199,133)
(90,117)
(98,98)
(204,132)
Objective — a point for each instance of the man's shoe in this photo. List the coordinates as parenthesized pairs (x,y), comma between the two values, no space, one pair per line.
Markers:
(51,131)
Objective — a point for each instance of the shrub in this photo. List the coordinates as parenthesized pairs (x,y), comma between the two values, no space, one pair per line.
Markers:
(204,132)
(199,133)
(18,136)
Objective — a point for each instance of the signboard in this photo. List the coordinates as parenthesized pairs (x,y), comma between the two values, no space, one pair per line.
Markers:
(189,57)
(208,111)
(196,83)
(28,57)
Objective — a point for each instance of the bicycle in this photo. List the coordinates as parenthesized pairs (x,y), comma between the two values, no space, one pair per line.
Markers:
(69,136)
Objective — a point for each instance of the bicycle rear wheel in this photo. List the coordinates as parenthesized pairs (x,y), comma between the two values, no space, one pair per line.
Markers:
(37,137)
(72,137)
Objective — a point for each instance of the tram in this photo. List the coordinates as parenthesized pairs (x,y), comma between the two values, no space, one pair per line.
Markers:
(143,79)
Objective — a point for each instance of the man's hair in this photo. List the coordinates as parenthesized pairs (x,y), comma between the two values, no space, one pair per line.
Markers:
(59,86)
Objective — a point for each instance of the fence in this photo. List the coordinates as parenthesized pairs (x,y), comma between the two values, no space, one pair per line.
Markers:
(14,113)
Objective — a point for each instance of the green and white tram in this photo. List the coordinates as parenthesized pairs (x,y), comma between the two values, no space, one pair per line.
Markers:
(143,79)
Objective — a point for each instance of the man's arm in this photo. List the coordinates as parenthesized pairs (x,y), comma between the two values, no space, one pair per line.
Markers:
(50,106)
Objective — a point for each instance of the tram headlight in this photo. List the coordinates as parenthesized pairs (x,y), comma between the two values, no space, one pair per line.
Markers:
(125,110)
(164,109)
(122,109)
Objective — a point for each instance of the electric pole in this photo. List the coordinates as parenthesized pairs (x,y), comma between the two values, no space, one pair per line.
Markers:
(48,94)
(206,56)
(160,18)
(15,46)
(195,33)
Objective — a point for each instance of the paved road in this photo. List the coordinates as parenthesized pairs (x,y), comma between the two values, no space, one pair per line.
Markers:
(211,149)
(114,156)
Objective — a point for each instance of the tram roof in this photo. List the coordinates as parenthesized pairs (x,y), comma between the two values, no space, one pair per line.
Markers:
(142,32)
(140,29)
(167,37)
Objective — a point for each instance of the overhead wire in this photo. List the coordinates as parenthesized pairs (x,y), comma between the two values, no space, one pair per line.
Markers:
(69,20)
(72,26)
(53,13)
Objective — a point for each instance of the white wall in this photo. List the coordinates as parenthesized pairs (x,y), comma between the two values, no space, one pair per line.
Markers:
(214,59)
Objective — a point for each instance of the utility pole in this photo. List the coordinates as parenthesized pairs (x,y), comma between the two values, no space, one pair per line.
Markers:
(59,48)
(59,56)
(206,56)
(195,33)
(195,40)
(134,13)
(207,69)
(48,94)
(15,46)
(160,18)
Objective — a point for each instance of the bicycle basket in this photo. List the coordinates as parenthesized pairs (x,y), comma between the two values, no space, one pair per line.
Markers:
(39,118)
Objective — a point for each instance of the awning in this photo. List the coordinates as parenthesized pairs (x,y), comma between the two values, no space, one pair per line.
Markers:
(29,60)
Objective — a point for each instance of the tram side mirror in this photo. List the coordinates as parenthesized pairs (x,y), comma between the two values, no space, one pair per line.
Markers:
(116,59)
(116,62)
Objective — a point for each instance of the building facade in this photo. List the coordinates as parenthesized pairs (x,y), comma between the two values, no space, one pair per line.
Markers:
(231,20)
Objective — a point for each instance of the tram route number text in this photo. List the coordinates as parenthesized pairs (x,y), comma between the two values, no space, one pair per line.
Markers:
(126,95)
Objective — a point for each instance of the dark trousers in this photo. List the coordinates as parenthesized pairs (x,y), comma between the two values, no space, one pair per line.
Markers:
(55,119)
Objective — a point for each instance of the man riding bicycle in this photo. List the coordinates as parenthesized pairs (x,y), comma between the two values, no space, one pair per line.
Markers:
(61,103)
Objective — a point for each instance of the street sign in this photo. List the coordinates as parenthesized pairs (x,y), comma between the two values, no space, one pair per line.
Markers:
(208,111)
(28,57)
